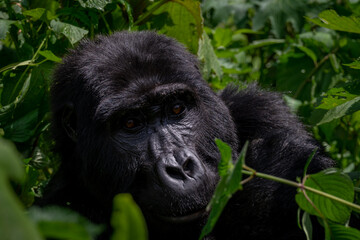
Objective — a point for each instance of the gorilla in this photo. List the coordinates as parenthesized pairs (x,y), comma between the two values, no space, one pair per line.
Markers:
(132,114)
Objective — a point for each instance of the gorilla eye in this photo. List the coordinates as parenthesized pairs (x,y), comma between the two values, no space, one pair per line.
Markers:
(130,123)
(177,109)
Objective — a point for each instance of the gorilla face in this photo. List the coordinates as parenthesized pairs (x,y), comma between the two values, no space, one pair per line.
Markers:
(133,114)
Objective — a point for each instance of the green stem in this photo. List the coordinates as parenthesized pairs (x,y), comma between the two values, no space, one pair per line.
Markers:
(301,186)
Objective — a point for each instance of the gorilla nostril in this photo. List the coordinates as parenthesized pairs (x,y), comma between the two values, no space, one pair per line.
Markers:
(188,166)
(175,173)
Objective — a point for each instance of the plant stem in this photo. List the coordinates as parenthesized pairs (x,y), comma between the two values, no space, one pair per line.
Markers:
(301,186)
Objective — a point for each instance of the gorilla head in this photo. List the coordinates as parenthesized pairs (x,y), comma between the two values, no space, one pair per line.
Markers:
(133,114)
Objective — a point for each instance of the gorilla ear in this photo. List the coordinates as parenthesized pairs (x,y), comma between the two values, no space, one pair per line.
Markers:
(68,121)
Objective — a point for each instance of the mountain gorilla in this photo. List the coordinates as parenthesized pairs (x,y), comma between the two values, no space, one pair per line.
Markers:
(132,114)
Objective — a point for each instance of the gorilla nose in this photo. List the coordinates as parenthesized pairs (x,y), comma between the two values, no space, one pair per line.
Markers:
(180,170)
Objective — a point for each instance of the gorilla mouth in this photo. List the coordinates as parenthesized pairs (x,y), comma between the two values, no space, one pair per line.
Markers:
(184,218)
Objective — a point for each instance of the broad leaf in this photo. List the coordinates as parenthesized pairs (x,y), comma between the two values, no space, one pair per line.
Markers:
(333,182)
(127,219)
(49,55)
(73,33)
(280,12)
(338,231)
(330,19)
(14,224)
(321,116)
(73,226)
(39,13)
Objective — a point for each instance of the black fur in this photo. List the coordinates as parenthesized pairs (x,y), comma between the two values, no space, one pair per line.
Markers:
(102,79)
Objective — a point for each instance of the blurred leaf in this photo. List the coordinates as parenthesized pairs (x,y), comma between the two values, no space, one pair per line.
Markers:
(333,182)
(223,37)
(127,219)
(262,43)
(10,162)
(339,232)
(279,12)
(330,19)
(61,223)
(97,4)
(308,52)
(13,66)
(207,55)
(23,128)
(14,224)
(355,65)
(71,32)
(230,182)
(307,225)
(49,55)
(4,27)
(39,13)
(7,111)
(186,22)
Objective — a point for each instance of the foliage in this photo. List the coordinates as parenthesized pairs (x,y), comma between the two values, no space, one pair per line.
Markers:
(300,48)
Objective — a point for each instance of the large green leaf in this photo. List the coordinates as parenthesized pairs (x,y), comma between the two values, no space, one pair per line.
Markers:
(340,232)
(330,19)
(186,22)
(230,182)
(280,12)
(127,219)
(61,223)
(333,182)
(14,224)
(321,116)
(73,33)
(22,129)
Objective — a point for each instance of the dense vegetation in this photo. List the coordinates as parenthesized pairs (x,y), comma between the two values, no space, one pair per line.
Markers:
(307,49)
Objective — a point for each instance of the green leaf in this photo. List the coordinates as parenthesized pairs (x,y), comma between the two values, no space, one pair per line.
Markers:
(339,232)
(4,27)
(308,52)
(280,12)
(97,4)
(262,43)
(330,19)
(71,32)
(50,220)
(223,37)
(355,65)
(225,165)
(207,55)
(127,219)
(186,22)
(39,13)
(7,111)
(14,224)
(333,182)
(227,186)
(9,161)
(23,128)
(321,116)
(307,225)
(49,55)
